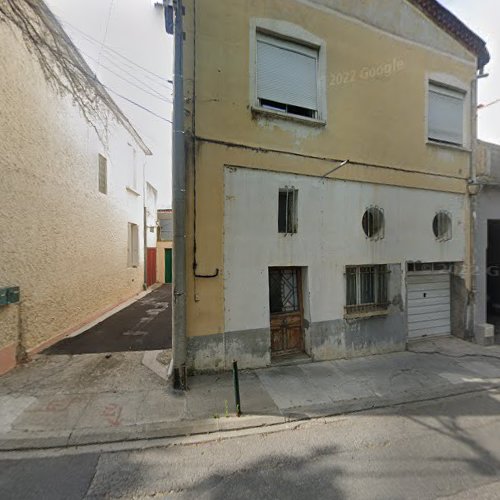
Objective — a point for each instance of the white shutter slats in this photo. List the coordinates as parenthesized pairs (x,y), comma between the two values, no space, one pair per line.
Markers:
(446,111)
(286,73)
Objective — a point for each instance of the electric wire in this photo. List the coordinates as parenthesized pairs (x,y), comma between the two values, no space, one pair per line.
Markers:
(110,11)
(137,104)
(105,47)
(157,95)
(126,68)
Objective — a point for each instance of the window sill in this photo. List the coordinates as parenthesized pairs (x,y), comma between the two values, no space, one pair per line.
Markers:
(313,122)
(366,315)
(132,190)
(430,142)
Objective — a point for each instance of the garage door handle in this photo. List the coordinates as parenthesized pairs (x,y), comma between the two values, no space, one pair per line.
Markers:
(425,295)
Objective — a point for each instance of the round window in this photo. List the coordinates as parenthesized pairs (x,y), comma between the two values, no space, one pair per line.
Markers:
(441,226)
(373,222)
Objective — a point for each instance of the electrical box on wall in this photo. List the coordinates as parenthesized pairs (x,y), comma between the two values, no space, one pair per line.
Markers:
(9,295)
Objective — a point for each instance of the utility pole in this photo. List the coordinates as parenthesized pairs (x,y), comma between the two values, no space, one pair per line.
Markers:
(173,23)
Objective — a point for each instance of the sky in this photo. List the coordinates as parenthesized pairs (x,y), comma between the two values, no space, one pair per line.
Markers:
(483,17)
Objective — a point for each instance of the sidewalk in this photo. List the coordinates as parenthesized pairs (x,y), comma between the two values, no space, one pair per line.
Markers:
(96,398)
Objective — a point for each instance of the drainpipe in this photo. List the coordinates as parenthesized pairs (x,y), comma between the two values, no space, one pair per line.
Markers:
(473,190)
(178,201)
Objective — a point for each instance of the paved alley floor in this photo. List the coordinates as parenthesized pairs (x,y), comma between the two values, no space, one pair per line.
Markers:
(144,325)
(62,400)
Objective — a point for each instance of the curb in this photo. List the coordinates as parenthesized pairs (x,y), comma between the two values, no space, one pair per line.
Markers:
(26,440)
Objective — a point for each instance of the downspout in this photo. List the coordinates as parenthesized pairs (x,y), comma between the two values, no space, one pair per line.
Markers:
(178,206)
(474,189)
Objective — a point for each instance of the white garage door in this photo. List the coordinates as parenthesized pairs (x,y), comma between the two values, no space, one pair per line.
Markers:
(428,304)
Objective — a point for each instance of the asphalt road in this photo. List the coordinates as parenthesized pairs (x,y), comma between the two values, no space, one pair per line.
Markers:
(444,448)
(145,325)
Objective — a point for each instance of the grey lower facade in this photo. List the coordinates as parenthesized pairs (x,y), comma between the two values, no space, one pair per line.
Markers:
(347,337)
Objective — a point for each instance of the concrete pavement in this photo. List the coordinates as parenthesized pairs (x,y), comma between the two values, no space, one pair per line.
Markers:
(447,448)
(72,400)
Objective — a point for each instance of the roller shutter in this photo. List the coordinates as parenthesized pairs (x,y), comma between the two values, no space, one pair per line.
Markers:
(428,304)
(286,72)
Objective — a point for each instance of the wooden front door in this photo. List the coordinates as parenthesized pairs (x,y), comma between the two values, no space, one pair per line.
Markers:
(150,266)
(285,301)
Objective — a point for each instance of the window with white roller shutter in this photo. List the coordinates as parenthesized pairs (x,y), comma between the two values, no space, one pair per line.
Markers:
(446,114)
(287,76)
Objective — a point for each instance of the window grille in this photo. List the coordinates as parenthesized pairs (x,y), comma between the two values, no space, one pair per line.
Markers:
(366,288)
(283,291)
(287,210)
(103,174)
(441,226)
(373,223)
(429,266)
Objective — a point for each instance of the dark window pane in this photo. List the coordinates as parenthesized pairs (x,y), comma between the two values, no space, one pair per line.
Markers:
(282,211)
(275,303)
(367,278)
(289,292)
(283,291)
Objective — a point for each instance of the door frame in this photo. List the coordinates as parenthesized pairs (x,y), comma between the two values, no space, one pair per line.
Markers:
(300,299)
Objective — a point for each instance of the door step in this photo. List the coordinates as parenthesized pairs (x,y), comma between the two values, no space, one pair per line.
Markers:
(291,359)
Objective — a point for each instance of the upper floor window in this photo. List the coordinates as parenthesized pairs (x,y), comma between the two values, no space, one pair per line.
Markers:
(133,245)
(103,174)
(132,171)
(446,114)
(287,210)
(287,74)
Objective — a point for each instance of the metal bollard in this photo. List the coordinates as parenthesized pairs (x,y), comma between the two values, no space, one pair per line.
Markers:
(236,388)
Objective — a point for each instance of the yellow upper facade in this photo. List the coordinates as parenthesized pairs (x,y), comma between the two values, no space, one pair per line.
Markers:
(374,67)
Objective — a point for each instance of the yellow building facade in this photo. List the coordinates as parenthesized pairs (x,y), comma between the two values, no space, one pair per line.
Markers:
(364,171)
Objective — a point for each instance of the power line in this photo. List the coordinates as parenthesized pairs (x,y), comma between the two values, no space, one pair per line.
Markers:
(157,95)
(128,70)
(137,104)
(93,76)
(105,32)
(105,47)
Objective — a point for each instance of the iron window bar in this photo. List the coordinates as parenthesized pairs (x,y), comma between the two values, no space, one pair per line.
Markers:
(366,288)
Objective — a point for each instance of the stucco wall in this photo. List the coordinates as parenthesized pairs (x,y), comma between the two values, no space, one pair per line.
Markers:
(63,242)
(363,114)
(379,123)
(329,237)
